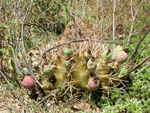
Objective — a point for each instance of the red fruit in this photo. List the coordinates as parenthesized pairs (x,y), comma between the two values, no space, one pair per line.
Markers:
(93,84)
(28,83)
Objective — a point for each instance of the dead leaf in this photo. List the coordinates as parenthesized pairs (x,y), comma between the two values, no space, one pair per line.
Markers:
(78,105)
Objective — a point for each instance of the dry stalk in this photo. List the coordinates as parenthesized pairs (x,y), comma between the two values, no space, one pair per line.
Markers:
(143,68)
(139,64)
(140,52)
(133,22)
(73,41)
(103,23)
(24,52)
(137,46)
(114,24)
(12,88)
(45,99)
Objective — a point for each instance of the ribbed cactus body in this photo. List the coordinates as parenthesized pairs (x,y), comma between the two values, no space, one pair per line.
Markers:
(77,67)
(80,73)
(76,64)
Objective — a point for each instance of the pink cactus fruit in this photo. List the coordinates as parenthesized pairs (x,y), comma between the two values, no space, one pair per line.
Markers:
(93,84)
(121,57)
(28,83)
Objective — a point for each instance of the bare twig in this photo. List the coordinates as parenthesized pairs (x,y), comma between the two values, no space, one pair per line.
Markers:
(103,23)
(24,52)
(136,48)
(15,61)
(73,41)
(139,64)
(140,52)
(12,87)
(114,24)
(136,31)
(133,22)
(93,30)
(82,12)
(143,68)
(45,98)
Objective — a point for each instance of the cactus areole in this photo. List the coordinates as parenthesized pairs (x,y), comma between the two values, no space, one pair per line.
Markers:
(28,83)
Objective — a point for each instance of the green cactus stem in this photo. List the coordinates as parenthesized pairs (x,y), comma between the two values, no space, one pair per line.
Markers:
(102,68)
(117,49)
(91,65)
(68,52)
(105,83)
(60,75)
(107,54)
(47,69)
(107,57)
(45,83)
(87,55)
(123,72)
(80,73)
(67,63)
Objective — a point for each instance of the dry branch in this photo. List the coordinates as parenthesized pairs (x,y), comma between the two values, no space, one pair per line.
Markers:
(12,87)
(114,24)
(140,52)
(45,98)
(133,21)
(103,22)
(137,46)
(73,41)
(139,64)
(24,52)
(143,68)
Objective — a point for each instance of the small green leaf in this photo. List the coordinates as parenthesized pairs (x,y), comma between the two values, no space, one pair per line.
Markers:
(14,21)
(7,36)
(9,22)
(4,26)
(10,58)
(7,50)
(2,50)
(10,67)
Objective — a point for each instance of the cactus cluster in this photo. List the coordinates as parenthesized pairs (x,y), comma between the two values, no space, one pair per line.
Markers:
(80,66)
